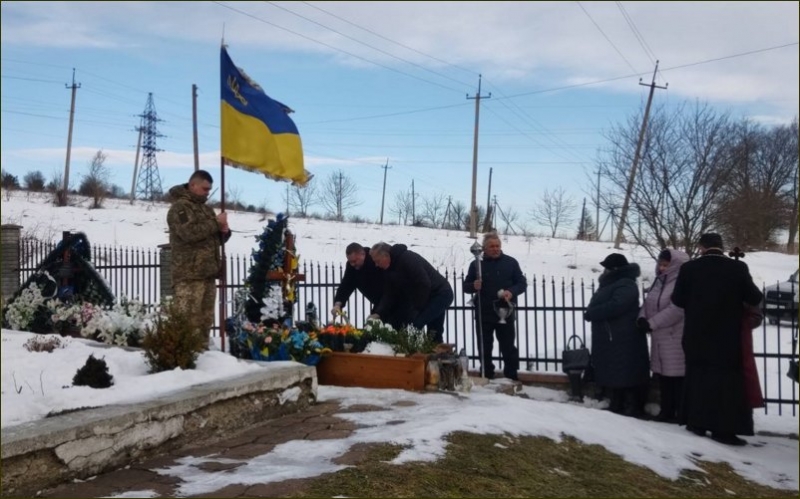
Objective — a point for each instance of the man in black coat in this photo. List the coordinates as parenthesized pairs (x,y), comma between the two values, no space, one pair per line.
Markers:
(713,291)
(411,278)
(362,274)
(501,280)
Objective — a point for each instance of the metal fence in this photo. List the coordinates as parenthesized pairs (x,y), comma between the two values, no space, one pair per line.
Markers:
(547,314)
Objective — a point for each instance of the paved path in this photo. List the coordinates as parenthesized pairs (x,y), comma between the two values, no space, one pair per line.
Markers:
(316,423)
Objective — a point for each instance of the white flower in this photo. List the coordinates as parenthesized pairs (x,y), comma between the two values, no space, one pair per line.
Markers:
(273,303)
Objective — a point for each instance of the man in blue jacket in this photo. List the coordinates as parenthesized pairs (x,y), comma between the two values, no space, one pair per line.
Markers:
(501,280)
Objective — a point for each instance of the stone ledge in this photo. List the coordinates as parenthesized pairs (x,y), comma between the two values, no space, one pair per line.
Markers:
(84,443)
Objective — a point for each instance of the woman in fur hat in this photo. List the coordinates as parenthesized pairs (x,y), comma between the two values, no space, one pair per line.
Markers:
(664,320)
(619,351)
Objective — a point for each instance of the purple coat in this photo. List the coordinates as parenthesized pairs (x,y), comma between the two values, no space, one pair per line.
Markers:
(666,320)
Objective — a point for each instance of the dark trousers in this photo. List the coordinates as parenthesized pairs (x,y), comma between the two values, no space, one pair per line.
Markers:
(671,389)
(629,400)
(433,313)
(505,339)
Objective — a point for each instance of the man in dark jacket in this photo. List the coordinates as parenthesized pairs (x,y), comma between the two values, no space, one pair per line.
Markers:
(410,277)
(501,280)
(195,236)
(713,291)
(362,274)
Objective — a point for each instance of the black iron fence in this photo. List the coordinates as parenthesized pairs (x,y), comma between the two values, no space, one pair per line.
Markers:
(547,314)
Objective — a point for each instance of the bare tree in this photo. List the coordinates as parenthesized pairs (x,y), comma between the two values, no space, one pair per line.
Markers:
(303,198)
(458,211)
(9,181)
(792,194)
(233,197)
(95,184)
(586,226)
(756,207)
(509,217)
(338,194)
(554,209)
(401,207)
(684,164)
(480,214)
(433,209)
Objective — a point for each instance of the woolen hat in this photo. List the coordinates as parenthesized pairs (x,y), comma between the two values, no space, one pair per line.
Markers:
(665,255)
(614,260)
(711,240)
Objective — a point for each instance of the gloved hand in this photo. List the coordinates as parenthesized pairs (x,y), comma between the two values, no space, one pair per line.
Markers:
(643,325)
(374,317)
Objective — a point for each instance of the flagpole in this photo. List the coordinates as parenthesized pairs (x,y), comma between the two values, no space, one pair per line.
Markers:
(223,278)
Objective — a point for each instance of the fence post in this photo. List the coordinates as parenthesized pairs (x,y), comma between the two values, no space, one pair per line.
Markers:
(165,271)
(9,260)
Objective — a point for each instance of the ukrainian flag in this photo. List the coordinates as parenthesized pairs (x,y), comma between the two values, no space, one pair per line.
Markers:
(257,133)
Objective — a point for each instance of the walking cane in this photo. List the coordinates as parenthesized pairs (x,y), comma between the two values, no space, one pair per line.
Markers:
(476,249)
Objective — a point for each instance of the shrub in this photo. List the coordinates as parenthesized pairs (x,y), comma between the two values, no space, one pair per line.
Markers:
(22,313)
(34,181)
(94,374)
(407,341)
(44,344)
(173,341)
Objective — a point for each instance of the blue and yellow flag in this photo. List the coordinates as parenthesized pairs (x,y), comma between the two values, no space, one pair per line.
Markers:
(257,133)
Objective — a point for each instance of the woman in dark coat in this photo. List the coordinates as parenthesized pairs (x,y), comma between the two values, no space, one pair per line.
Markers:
(619,350)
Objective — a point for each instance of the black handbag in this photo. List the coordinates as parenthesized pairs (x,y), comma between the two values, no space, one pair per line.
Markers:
(575,359)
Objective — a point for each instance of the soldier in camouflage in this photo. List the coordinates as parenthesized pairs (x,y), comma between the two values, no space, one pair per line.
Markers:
(195,236)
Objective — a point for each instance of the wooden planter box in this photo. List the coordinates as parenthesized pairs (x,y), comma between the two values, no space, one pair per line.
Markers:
(372,371)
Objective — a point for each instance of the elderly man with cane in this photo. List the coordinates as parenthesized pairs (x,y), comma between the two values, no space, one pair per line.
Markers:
(496,282)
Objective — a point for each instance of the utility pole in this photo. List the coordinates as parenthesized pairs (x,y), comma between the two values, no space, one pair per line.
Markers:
(597,207)
(629,191)
(413,200)
(136,164)
(194,128)
(74,88)
(339,199)
(446,222)
(487,220)
(473,210)
(383,197)
(582,228)
(494,213)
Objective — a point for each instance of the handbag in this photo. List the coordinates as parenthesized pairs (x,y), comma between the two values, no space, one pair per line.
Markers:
(793,372)
(575,359)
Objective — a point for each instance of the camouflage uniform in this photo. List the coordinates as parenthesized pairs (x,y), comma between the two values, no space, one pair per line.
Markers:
(195,238)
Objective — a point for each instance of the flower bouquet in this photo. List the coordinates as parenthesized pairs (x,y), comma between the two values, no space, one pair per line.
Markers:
(343,338)
(273,342)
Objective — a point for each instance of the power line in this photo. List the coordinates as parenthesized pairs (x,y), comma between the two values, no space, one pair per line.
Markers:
(606,36)
(368,45)
(388,115)
(29,79)
(471,72)
(606,80)
(642,42)
(332,47)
